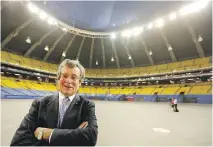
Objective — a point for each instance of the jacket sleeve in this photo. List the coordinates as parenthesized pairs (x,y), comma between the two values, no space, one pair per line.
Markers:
(24,135)
(78,137)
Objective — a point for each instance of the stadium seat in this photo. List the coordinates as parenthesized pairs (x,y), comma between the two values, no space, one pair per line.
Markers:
(15,59)
(151,69)
(183,89)
(200,89)
(157,90)
(202,61)
(186,63)
(125,91)
(173,66)
(27,62)
(170,67)
(170,90)
(162,67)
(147,90)
(5,56)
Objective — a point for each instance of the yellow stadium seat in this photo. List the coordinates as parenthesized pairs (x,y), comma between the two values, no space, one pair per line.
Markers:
(36,63)
(11,83)
(84,90)
(192,67)
(147,90)
(125,91)
(206,65)
(210,90)
(203,83)
(45,66)
(27,62)
(183,89)
(136,91)
(186,63)
(53,67)
(201,61)
(157,90)
(142,70)
(162,67)
(23,84)
(170,67)
(5,56)
(15,59)
(173,66)
(170,90)
(102,90)
(114,91)
(93,90)
(151,69)
(165,70)
(199,89)
(124,70)
(179,69)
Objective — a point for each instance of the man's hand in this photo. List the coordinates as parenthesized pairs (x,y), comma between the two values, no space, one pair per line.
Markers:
(46,132)
(83,125)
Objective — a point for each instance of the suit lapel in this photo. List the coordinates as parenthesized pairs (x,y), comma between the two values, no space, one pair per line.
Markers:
(52,111)
(70,108)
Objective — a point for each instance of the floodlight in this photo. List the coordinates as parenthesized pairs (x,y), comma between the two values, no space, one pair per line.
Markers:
(64,54)
(42,15)
(159,23)
(112,59)
(46,48)
(172,16)
(33,8)
(150,26)
(28,40)
(113,35)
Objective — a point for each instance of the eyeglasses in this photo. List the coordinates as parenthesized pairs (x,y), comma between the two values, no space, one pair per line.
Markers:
(73,77)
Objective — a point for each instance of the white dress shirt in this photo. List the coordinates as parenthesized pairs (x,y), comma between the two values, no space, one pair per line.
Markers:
(61,97)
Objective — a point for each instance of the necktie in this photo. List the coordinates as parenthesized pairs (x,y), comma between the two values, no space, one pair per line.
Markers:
(64,106)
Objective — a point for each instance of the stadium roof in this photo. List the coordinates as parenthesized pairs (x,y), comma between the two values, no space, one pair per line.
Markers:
(103,16)
(188,36)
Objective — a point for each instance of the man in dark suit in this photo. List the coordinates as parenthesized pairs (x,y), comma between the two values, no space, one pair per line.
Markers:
(64,119)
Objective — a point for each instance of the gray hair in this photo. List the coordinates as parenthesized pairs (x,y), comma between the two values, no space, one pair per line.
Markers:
(71,64)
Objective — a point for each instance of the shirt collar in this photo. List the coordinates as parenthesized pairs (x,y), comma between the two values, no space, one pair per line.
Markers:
(61,96)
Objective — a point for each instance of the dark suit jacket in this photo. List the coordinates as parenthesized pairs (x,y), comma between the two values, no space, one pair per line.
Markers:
(44,113)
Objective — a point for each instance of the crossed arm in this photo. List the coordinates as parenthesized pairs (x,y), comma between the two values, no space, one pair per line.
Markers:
(47,132)
(84,135)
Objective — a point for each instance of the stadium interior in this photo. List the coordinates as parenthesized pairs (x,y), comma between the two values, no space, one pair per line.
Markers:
(142,61)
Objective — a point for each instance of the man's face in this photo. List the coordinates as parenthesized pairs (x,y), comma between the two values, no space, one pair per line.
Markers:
(69,81)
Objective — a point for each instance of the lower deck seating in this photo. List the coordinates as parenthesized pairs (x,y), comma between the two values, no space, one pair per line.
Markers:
(34,87)
(199,89)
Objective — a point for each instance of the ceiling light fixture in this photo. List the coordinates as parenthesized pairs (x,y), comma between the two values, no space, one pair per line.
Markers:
(64,54)
(150,26)
(46,48)
(200,39)
(42,15)
(159,23)
(112,59)
(172,16)
(33,8)
(113,35)
(64,29)
(28,40)
(170,48)
(150,52)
